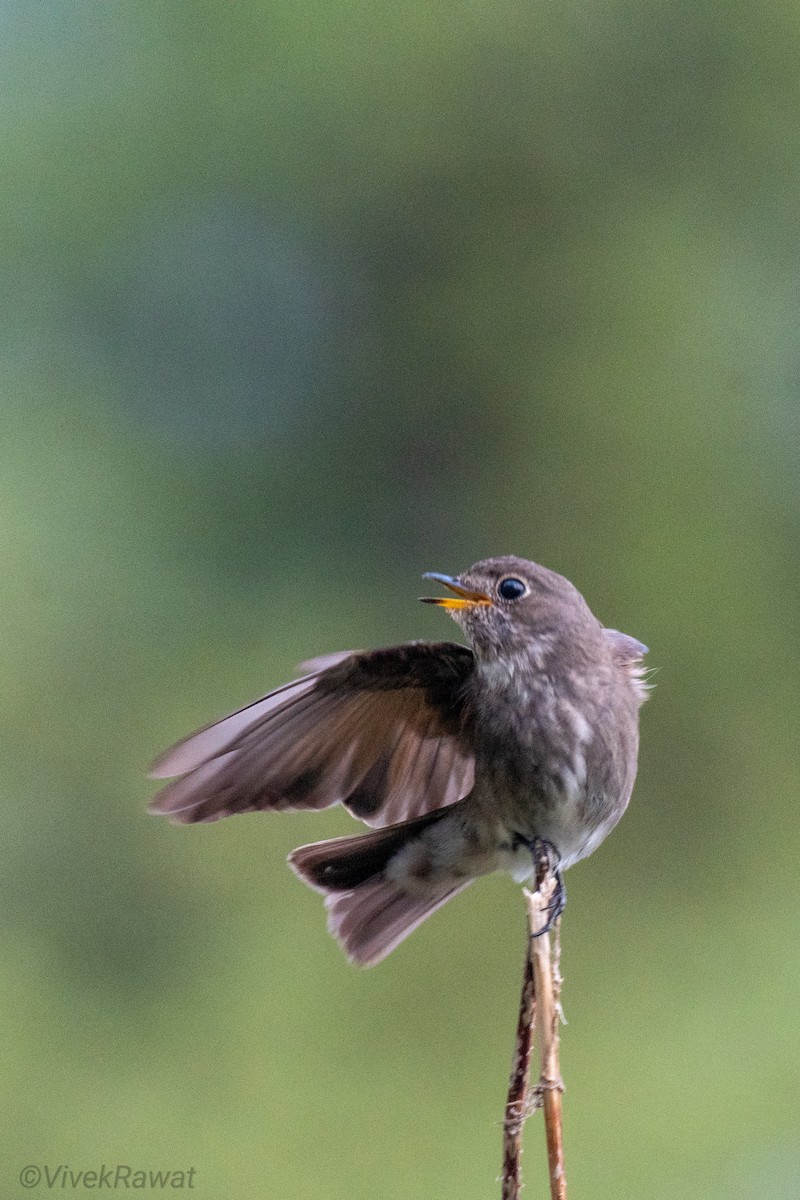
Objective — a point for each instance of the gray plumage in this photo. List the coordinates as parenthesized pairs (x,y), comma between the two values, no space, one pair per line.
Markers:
(459,757)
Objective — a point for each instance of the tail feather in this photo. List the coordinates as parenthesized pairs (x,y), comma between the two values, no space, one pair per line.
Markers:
(375,918)
(369,914)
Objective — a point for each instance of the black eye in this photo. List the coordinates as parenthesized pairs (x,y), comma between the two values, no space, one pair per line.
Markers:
(511,589)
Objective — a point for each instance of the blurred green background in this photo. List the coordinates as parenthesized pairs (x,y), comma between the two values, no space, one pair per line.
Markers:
(299,301)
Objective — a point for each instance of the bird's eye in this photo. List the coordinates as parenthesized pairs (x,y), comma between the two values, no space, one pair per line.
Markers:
(511,589)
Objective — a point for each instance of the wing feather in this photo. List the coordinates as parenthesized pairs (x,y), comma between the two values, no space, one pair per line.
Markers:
(386,733)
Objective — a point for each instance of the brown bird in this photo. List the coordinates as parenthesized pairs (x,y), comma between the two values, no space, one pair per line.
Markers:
(463,758)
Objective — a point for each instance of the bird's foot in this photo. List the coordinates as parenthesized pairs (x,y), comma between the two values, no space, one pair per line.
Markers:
(545,861)
(558,902)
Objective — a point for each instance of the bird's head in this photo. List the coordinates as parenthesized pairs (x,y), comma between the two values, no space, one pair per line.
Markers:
(505,605)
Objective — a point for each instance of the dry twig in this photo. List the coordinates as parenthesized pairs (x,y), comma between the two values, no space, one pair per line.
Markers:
(517,1103)
(539,1008)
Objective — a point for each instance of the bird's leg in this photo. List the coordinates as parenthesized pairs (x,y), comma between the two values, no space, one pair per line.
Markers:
(558,902)
(545,859)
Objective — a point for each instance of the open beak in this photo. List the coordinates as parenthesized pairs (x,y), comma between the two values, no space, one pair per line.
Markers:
(465,597)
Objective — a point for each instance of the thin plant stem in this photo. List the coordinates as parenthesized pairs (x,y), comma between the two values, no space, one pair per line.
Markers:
(517,1109)
(540,1010)
(547,985)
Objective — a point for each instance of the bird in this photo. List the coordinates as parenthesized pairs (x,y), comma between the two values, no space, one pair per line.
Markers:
(464,759)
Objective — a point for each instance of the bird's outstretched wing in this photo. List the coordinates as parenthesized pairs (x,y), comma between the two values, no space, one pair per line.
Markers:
(384,732)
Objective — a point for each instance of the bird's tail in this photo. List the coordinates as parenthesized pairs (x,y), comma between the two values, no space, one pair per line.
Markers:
(370,913)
